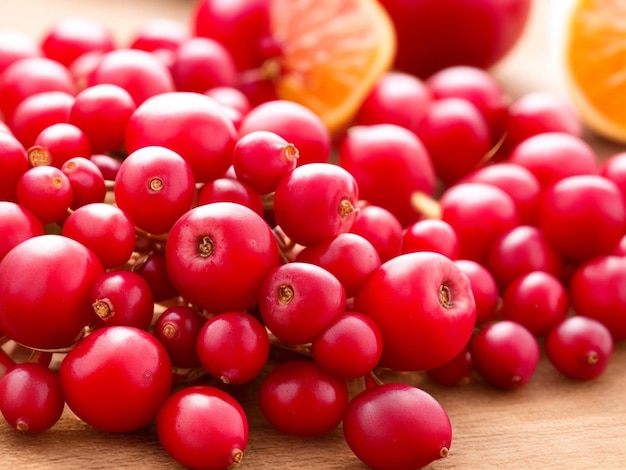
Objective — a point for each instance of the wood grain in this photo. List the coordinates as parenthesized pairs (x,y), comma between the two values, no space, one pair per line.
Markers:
(552,423)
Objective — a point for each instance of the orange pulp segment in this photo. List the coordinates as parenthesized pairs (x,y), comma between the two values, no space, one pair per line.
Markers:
(333,52)
(595,64)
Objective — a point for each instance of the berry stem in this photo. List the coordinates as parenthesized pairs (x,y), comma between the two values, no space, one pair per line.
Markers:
(6,362)
(375,379)
(304,349)
(426,205)
(40,357)
(150,236)
(285,244)
(492,151)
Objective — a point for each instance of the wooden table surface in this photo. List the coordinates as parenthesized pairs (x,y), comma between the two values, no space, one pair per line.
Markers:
(552,423)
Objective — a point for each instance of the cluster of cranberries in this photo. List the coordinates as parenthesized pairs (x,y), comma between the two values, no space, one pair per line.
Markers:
(159,227)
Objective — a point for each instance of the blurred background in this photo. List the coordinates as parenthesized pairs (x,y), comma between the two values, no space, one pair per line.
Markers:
(533,65)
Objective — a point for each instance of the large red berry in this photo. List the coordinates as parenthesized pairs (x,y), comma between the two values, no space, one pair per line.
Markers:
(298,300)
(424,307)
(140,73)
(505,354)
(154,187)
(582,216)
(596,291)
(117,378)
(397,426)
(31,398)
(390,164)
(45,286)
(316,202)
(219,254)
(299,398)
(182,122)
(203,427)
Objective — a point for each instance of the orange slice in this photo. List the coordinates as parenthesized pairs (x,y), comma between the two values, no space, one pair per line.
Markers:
(333,52)
(595,64)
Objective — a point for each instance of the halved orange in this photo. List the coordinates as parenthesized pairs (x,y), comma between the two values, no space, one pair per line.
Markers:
(333,52)
(595,64)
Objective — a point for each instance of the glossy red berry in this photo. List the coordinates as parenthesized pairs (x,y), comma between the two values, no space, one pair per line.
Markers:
(16,45)
(595,291)
(296,124)
(218,255)
(552,156)
(122,298)
(203,427)
(515,180)
(69,38)
(154,187)
(63,141)
(582,217)
(536,300)
(381,228)
(390,164)
(505,354)
(160,35)
(298,300)
(233,347)
(538,112)
(484,289)
(88,185)
(477,86)
(105,229)
(37,112)
(433,305)
(457,137)
(230,190)
(456,372)
(431,235)
(349,257)
(177,328)
(30,76)
(45,284)
(349,347)
(316,202)
(117,378)
(152,267)
(579,347)
(520,251)
(13,164)
(46,191)
(478,213)
(102,113)
(178,121)
(108,165)
(397,426)
(16,225)
(300,399)
(140,73)
(31,398)
(199,64)
(397,98)
(262,159)
(230,97)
